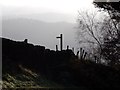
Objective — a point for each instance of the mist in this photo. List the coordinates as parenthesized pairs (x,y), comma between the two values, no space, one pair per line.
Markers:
(42,21)
(39,32)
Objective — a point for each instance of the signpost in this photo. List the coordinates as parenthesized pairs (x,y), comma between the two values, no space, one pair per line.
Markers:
(61,41)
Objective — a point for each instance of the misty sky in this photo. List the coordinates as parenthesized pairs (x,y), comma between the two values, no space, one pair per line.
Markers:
(46,10)
(66,9)
(49,11)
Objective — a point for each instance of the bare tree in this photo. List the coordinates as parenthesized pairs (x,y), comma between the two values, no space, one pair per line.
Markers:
(89,30)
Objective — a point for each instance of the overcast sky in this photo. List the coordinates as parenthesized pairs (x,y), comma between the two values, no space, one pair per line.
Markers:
(65,7)
(47,11)
(55,5)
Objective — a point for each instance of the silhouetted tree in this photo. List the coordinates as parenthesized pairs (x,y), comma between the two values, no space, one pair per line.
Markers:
(111,46)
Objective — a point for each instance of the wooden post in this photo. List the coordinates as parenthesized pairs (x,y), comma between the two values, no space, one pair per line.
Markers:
(95,58)
(26,40)
(80,53)
(61,42)
(61,37)
(84,55)
(77,54)
(56,47)
(67,47)
(73,49)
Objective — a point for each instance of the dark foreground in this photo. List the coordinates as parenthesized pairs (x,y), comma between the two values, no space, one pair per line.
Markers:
(28,67)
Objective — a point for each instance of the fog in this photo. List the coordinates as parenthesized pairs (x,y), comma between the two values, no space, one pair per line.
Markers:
(41,21)
(39,32)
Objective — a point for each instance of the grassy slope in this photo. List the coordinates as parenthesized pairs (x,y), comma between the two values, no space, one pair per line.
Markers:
(26,78)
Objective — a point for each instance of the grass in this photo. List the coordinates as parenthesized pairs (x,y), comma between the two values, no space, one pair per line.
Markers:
(26,79)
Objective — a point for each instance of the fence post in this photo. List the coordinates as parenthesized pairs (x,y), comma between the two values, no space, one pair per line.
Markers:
(67,47)
(80,53)
(77,54)
(26,40)
(84,55)
(73,49)
(56,47)
(61,41)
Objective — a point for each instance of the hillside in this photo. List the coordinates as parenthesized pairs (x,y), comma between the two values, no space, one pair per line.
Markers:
(25,78)
(20,58)
(29,66)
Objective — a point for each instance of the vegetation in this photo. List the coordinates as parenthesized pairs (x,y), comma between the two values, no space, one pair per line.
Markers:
(26,79)
(70,72)
(111,26)
(30,66)
(101,35)
(89,32)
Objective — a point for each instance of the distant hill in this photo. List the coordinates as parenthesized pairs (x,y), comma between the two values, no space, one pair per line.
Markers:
(39,32)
